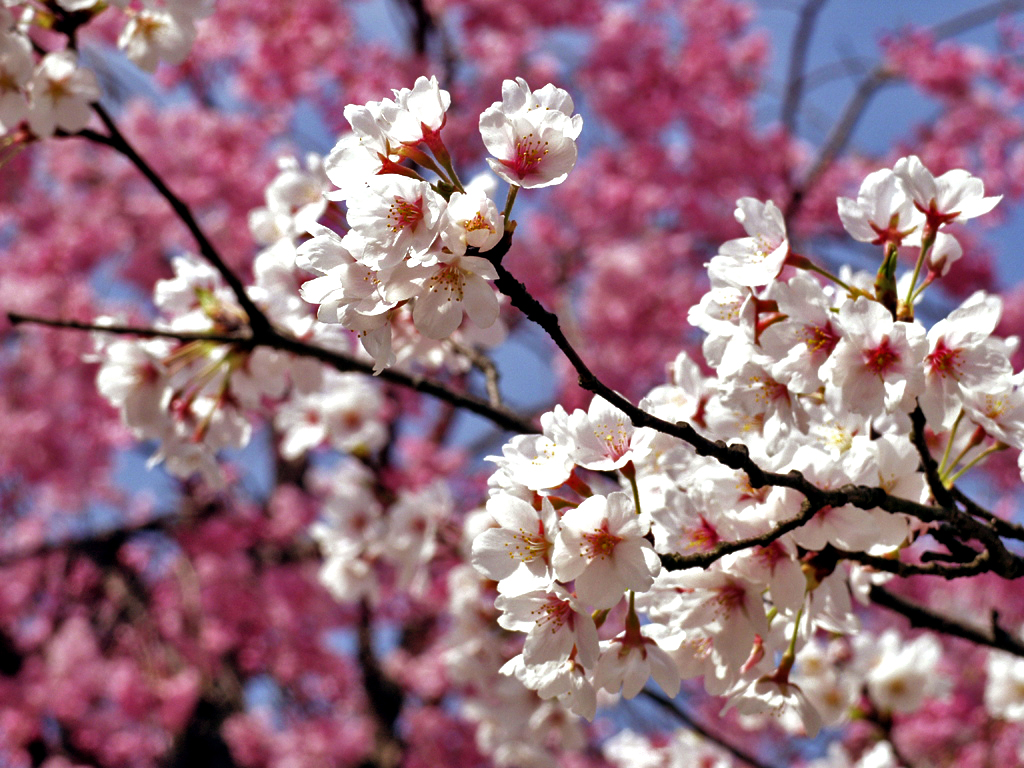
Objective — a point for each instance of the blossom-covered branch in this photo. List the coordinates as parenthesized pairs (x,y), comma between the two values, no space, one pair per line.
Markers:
(273,339)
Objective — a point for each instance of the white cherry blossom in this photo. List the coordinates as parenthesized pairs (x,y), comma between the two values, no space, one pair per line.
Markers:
(555,623)
(525,537)
(398,217)
(877,364)
(630,659)
(416,112)
(601,546)
(882,213)
(532,143)
(1004,686)
(153,35)
(452,288)
(954,196)
(756,259)
(60,93)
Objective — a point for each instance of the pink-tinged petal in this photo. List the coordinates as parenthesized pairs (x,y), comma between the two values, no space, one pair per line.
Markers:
(599,586)
(663,670)
(567,558)
(480,303)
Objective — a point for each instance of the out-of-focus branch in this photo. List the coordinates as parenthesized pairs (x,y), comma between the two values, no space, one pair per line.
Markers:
(975,18)
(919,616)
(797,63)
(271,337)
(425,26)
(874,81)
(840,134)
(17,318)
(486,366)
(385,698)
(683,717)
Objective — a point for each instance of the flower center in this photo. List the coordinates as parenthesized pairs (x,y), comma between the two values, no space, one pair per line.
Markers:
(820,338)
(530,152)
(945,361)
(404,214)
(882,358)
(601,543)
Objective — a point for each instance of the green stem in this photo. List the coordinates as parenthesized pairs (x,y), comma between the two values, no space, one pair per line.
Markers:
(987,452)
(854,292)
(631,476)
(949,443)
(513,190)
(926,245)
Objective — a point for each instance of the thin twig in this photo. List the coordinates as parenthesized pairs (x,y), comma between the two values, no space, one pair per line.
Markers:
(116,140)
(676,562)
(925,618)
(487,367)
(958,571)
(274,339)
(797,62)
(670,706)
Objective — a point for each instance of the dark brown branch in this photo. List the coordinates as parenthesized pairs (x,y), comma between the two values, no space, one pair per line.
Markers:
(486,366)
(948,497)
(979,564)
(736,456)
(797,62)
(678,712)
(925,618)
(337,360)
(116,141)
(675,562)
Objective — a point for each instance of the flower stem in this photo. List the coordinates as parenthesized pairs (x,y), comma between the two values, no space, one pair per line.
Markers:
(926,245)
(513,190)
(949,443)
(987,452)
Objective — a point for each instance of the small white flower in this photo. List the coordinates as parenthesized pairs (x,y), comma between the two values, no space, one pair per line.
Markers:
(451,289)
(630,659)
(602,546)
(531,135)
(471,220)
(1004,686)
(416,112)
(60,94)
(882,212)
(954,196)
(756,259)
(525,536)
(398,217)
(152,35)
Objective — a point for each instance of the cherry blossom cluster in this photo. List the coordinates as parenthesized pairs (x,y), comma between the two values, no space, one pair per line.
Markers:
(295,205)
(365,538)
(199,397)
(410,252)
(812,377)
(54,92)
